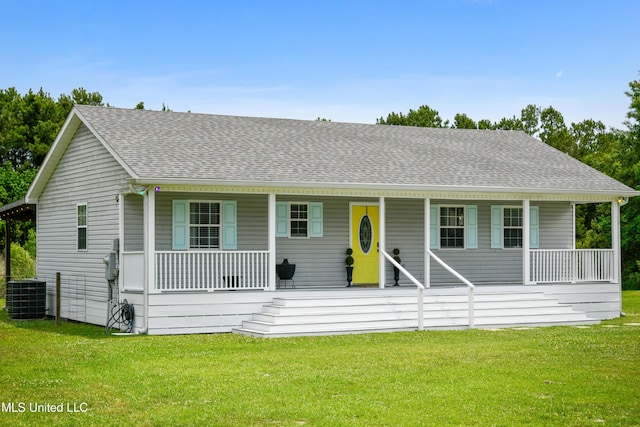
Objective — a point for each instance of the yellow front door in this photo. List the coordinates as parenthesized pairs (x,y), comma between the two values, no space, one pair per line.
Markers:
(364,242)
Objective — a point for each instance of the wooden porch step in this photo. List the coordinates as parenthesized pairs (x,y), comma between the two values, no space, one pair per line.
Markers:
(408,297)
(371,305)
(408,313)
(378,312)
(268,330)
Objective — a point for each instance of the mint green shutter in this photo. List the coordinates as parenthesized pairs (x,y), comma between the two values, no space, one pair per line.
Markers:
(496,227)
(315,219)
(180,225)
(229,224)
(433,227)
(282,219)
(471,222)
(534,227)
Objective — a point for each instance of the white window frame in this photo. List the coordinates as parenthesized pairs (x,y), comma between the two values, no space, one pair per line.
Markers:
(511,227)
(292,220)
(463,227)
(82,227)
(219,225)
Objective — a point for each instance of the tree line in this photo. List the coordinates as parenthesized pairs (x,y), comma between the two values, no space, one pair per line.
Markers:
(29,124)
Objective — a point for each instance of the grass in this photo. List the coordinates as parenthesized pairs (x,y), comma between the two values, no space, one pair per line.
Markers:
(558,376)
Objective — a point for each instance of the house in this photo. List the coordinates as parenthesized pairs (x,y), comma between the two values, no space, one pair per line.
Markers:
(196,210)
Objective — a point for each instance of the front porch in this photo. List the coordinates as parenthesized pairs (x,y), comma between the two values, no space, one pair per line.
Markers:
(491,246)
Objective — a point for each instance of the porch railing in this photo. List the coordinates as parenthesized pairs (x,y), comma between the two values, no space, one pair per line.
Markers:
(211,270)
(464,280)
(572,265)
(415,281)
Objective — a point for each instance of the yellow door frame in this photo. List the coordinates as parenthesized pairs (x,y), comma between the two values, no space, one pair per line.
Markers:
(366,264)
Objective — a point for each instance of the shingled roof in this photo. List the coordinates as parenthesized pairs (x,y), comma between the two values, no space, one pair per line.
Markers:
(210,148)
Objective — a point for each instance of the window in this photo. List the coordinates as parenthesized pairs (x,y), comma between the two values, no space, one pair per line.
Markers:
(512,227)
(507,227)
(204,225)
(81,241)
(299,216)
(299,219)
(452,227)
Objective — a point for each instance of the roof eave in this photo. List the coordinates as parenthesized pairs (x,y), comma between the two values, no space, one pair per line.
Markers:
(275,185)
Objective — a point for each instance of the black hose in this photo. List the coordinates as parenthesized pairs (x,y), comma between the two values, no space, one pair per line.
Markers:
(123,314)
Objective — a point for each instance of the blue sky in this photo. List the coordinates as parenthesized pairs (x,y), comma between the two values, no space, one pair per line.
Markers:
(350,61)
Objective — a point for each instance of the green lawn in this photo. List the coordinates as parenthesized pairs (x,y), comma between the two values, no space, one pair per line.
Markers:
(562,376)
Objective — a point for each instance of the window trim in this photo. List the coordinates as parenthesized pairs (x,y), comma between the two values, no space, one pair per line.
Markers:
(464,227)
(291,220)
(84,227)
(219,225)
(504,227)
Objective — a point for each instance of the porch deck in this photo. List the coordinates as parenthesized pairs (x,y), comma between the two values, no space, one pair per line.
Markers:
(331,311)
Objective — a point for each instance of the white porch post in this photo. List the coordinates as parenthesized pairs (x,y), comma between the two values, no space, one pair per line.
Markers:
(573,224)
(150,239)
(272,242)
(427,242)
(615,242)
(120,238)
(382,244)
(526,239)
(149,207)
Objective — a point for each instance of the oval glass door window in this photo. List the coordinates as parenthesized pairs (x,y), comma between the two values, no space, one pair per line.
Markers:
(365,234)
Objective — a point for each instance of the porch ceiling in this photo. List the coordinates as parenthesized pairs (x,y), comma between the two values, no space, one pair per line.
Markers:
(391,191)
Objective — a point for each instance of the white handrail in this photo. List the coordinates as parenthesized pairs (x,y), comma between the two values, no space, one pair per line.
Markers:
(415,281)
(463,280)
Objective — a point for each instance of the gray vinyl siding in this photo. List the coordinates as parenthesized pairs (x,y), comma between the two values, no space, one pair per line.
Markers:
(319,260)
(481,265)
(133,222)
(405,231)
(87,173)
(556,225)
(252,218)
